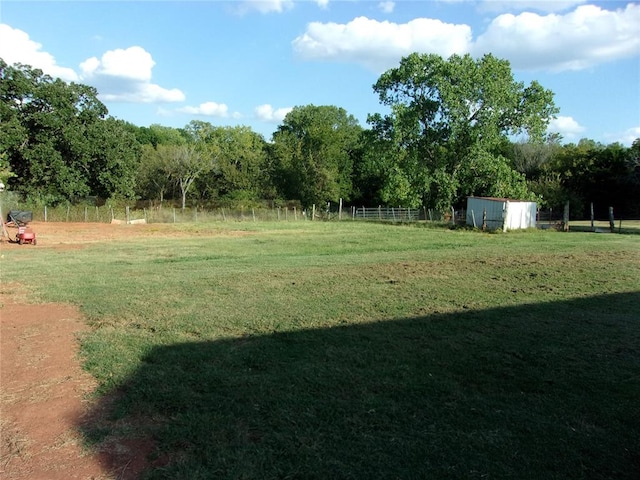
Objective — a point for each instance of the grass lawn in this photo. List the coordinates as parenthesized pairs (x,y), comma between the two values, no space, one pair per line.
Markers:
(357,351)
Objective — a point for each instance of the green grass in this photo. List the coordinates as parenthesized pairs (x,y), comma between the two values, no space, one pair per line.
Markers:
(352,350)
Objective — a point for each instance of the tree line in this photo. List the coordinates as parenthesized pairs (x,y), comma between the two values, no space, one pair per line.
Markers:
(449,133)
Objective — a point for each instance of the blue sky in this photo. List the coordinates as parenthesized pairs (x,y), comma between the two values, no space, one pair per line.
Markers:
(250,62)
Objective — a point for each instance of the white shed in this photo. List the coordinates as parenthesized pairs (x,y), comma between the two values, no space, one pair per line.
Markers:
(502,213)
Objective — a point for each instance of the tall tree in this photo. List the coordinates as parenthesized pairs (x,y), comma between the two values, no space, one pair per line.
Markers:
(446,112)
(154,173)
(314,149)
(606,175)
(186,164)
(57,139)
(240,173)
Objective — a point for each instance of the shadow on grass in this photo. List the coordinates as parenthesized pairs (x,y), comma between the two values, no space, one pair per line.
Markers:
(539,391)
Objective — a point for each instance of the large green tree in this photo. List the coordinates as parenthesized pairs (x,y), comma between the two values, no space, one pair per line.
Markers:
(607,175)
(448,114)
(313,152)
(154,172)
(58,141)
(240,173)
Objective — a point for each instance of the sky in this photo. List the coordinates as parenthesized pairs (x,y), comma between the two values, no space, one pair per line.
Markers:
(249,62)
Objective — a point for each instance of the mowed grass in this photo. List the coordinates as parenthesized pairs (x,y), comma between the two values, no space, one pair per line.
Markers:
(358,351)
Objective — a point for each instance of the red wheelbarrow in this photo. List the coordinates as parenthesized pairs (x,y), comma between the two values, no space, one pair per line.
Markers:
(21,219)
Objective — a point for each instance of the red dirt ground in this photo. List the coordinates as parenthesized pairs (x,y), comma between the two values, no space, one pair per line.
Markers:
(44,393)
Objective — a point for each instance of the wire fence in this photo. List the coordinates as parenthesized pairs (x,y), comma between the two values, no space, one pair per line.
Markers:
(164,214)
(167,214)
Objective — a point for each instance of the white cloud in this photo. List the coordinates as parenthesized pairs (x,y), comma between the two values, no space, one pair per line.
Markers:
(625,138)
(134,63)
(265,6)
(267,113)
(125,76)
(119,75)
(580,39)
(209,109)
(17,47)
(583,38)
(522,5)
(322,3)
(569,128)
(380,45)
(387,7)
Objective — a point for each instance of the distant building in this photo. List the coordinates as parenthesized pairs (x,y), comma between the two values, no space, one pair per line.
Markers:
(501,213)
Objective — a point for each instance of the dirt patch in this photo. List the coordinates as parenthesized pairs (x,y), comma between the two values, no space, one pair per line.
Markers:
(73,235)
(45,398)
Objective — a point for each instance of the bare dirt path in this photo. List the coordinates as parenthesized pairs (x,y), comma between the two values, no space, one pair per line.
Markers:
(44,393)
(43,396)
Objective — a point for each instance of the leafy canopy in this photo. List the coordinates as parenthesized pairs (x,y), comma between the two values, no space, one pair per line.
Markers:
(447,113)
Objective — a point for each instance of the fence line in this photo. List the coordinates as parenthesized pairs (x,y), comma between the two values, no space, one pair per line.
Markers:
(164,214)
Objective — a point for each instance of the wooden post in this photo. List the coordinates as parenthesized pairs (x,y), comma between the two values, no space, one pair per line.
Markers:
(505,220)
(473,217)
(97,214)
(86,214)
(295,214)
(453,216)
(4,229)
(253,213)
(565,217)
(224,217)
(484,219)
(612,223)
(313,211)
(45,213)
(593,228)
(174,215)
(340,210)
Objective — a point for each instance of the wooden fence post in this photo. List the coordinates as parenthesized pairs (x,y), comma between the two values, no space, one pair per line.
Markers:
(593,228)
(612,223)
(565,217)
